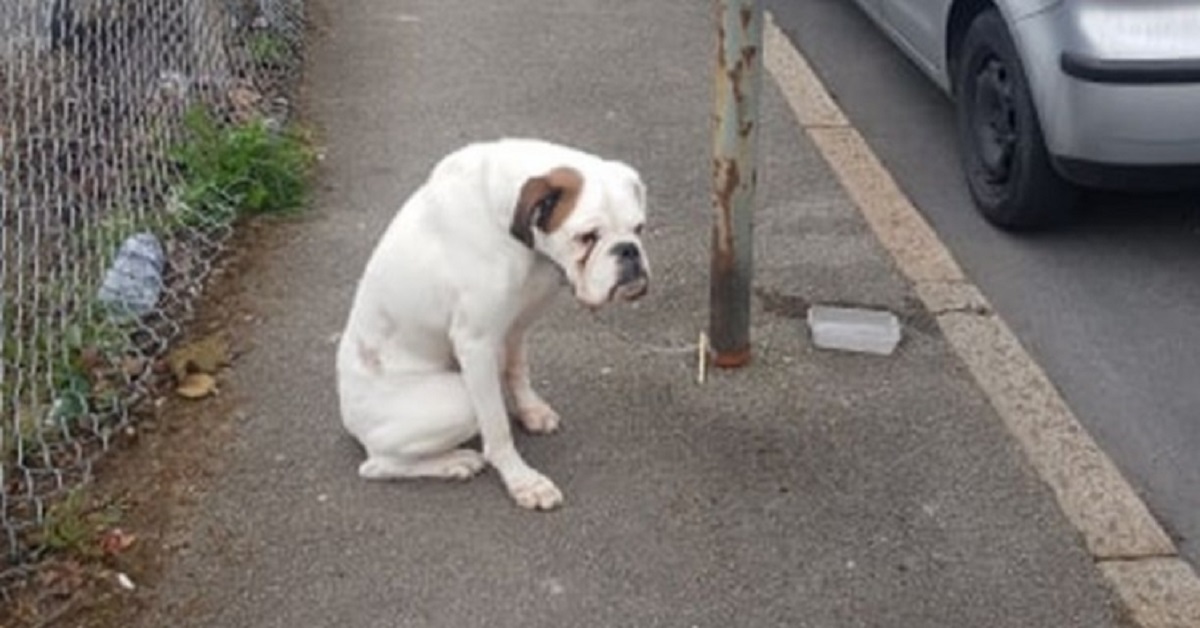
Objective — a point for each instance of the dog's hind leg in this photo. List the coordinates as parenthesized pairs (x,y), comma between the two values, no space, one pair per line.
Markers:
(456,464)
(415,428)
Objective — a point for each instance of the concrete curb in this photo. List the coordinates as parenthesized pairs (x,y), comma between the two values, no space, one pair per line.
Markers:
(1135,555)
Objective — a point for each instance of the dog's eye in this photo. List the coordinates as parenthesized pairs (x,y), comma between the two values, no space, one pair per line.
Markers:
(637,231)
(589,238)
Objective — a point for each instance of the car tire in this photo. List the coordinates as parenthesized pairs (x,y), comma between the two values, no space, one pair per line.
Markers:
(1008,170)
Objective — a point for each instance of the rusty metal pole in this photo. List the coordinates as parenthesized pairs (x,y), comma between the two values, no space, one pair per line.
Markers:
(737,83)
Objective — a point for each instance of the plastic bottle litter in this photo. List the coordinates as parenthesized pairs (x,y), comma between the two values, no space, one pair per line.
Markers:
(134,282)
(854,329)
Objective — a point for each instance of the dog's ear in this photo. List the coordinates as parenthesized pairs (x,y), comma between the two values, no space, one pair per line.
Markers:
(545,202)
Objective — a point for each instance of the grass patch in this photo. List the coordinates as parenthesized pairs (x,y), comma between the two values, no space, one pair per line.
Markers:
(269,49)
(230,170)
(81,373)
(74,525)
(76,360)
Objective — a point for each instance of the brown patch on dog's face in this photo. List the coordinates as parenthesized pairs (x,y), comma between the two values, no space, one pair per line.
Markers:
(545,203)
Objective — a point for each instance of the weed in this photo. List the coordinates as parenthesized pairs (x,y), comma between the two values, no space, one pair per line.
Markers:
(229,170)
(269,49)
(69,370)
(67,528)
(110,232)
(22,443)
(72,527)
(70,360)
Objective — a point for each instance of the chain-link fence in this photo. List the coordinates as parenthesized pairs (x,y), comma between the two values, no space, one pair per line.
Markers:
(99,259)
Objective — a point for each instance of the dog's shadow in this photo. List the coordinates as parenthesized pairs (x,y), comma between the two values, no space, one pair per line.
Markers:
(351,450)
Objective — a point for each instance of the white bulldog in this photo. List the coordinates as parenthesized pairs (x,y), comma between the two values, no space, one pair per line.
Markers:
(435,336)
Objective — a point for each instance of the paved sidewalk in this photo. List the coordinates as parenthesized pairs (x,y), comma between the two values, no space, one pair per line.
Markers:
(811,489)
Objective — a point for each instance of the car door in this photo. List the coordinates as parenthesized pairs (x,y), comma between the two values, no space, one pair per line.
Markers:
(920,26)
(871,7)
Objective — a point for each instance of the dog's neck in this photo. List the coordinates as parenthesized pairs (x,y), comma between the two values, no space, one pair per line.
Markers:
(541,259)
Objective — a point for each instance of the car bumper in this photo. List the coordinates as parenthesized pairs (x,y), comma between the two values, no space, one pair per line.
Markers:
(1156,178)
(1130,71)
(1113,101)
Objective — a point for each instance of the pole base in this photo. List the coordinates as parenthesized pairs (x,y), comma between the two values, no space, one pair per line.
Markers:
(731,359)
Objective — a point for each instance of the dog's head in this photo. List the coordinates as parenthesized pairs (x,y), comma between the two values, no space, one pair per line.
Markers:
(589,223)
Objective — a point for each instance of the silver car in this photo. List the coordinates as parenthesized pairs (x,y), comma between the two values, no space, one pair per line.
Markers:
(1056,94)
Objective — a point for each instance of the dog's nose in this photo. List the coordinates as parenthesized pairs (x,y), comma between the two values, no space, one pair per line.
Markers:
(626,251)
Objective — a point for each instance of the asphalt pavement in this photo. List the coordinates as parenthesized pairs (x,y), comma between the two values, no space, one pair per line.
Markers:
(1108,307)
(809,489)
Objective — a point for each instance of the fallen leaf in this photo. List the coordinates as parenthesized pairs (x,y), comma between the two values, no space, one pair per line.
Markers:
(115,541)
(244,97)
(133,366)
(245,102)
(91,358)
(197,385)
(94,365)
(65,576)
(206,355)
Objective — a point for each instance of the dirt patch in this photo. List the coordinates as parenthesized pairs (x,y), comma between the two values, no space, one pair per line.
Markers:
(146,487)
(780,304)
(912,313)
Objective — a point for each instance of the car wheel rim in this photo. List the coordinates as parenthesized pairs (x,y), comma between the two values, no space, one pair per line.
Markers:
(995,120)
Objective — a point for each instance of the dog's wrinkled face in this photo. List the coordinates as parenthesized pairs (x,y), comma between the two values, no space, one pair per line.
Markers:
(590,226)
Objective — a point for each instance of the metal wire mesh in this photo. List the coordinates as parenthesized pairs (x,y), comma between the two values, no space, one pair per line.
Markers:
(93,97)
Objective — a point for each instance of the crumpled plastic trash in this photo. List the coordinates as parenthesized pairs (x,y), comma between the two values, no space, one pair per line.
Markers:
(134,282)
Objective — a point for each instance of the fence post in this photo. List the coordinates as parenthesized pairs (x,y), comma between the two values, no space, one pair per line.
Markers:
(737,82)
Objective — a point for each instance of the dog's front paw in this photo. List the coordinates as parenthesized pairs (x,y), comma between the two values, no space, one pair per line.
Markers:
(539,417)
(535,492)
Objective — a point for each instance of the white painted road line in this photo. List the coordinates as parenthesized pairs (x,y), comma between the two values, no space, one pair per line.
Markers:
(1135,555)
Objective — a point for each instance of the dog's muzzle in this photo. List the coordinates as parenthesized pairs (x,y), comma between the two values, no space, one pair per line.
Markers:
(632,280)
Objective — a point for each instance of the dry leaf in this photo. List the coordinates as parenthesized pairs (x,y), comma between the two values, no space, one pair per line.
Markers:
(133,366)
(245,101)
(206,355)
(90,358)
(116,541)
(65,576)
(244,97)
(197,385)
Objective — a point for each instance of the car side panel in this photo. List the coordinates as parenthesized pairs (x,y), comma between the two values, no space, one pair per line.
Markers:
(921,26)
(1137,124)
(871,7)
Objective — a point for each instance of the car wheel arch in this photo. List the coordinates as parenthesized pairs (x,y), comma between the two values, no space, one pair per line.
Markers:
(958,20)
(1033,193)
